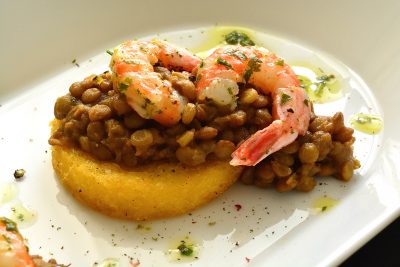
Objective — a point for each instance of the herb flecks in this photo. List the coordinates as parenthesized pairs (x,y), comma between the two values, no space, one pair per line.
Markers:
(280,62)
(110,52)
(326,78)
(236,53)
(253,66)
(305,101)
(185,249)
(322,82)
(128,80)
(123,87)
(10,225)
(363,119)
(224,62)
(240,55)
(285,98)
(235,37)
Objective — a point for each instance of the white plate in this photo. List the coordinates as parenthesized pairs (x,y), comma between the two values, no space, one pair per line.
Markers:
(39,41)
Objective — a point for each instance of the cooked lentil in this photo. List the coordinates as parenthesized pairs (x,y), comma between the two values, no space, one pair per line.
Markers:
(96,118)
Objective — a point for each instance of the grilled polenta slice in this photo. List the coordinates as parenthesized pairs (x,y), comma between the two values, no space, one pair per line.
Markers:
(156,190)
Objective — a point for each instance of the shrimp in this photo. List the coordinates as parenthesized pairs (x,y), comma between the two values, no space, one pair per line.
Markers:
(218,77)
(13,251)
(149,95)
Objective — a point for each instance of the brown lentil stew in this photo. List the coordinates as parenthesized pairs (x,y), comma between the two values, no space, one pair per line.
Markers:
(325,150)
(97,119)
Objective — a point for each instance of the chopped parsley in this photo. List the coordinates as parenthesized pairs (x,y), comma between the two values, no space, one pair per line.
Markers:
(363,119)
(326,78)
(236,53)
(322,82)
(10,225)
(123,87)
(128,80)
(253,65)
(280,62)
(240,55)
(305,82)
(224,62)
(285,98)
(184,249)
(317,88)
(241,38)
(110,52)
(147,104)
(324,208)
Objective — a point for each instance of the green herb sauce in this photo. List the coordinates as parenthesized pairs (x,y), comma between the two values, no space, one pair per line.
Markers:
(216,36)
(320,86)
(237,37)
(366,123)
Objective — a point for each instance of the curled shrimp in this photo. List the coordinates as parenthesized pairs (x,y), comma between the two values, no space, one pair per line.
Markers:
(146,92)
(13,251)
(228,65)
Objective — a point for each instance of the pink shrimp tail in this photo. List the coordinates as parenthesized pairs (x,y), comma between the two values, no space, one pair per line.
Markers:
(291,119)
(263,143)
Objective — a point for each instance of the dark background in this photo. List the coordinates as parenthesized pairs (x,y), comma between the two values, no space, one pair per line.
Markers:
(383,250)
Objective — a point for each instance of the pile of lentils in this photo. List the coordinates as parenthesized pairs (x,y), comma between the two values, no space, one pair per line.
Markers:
(97,119)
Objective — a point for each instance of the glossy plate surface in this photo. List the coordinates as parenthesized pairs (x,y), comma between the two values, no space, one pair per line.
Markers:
(270,229)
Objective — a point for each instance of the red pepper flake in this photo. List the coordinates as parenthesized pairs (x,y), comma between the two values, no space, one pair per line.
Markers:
(193,222)
(247,259)
(238,207)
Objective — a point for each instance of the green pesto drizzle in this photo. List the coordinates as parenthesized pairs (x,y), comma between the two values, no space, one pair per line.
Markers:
(235,37)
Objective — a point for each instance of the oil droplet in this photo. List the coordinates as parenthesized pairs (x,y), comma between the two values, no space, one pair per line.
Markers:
(215,37)
(23,215)
(183,250)
(366,123)
(324,204)
(320,86)
(8,192)
(109,262)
